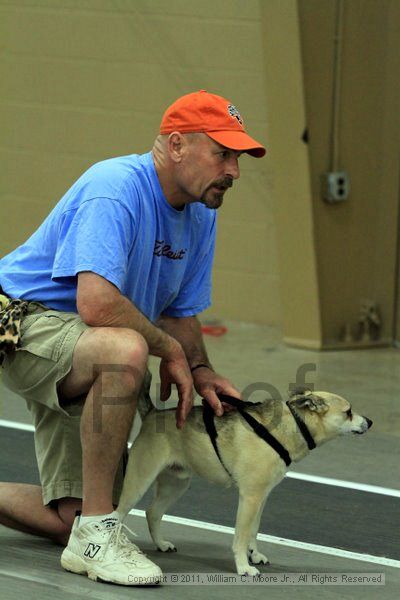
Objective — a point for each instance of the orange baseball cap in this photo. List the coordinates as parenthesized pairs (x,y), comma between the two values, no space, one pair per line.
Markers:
(201,112)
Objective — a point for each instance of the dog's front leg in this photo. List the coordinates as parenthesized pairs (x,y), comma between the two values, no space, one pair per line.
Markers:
(246,519)
(255,556)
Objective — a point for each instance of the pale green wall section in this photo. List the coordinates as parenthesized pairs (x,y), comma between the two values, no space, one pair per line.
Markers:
(355,242)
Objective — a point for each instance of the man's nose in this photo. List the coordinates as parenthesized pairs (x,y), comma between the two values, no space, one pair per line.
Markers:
(233,169)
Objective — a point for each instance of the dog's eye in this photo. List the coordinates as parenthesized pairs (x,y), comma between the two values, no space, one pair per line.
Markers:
(349,413)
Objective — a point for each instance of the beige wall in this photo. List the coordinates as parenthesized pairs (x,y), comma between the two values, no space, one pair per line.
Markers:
(82,80)
(85,80)
(291,183)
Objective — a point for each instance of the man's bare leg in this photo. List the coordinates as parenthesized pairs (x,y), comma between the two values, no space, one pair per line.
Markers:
(21,508)
(114,361)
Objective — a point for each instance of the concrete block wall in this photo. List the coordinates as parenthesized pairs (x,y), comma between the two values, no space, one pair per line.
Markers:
(83,80)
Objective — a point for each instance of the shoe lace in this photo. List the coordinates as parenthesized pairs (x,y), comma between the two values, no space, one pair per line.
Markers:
(119,540)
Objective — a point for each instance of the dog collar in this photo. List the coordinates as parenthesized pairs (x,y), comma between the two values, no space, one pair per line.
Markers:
(305,432)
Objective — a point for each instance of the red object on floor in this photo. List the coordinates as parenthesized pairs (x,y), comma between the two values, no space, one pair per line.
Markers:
(215,330)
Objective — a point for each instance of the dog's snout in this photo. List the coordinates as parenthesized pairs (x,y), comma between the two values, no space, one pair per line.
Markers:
(369,422)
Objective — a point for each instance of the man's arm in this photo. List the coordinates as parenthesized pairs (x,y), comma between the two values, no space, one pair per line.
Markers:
(100,304)
(187,330)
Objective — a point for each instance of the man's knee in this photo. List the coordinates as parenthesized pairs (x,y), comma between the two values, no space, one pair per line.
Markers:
(105,350)
(120,345)
(124,352)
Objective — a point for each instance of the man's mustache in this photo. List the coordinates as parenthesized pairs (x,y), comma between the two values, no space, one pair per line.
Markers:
(226,182)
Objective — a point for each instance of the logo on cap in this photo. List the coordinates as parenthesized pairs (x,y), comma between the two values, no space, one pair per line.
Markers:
(233,111)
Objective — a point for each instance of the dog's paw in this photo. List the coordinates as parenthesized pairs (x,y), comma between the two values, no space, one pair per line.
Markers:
(257,558)
(165,546)
(249,571)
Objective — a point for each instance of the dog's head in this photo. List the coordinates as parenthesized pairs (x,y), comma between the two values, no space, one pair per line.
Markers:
(333,415)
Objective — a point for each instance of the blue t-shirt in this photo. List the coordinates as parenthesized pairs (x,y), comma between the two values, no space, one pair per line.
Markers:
(115,221)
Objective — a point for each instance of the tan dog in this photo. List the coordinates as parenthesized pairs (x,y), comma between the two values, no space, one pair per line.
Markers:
(171,456)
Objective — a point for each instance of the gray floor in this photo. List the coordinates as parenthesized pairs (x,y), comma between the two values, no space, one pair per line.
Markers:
(355,521)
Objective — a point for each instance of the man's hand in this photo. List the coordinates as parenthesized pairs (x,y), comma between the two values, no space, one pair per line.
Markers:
(174,369)
(208,384)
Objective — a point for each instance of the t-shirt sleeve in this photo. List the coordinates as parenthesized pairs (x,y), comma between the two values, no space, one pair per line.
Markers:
(195,293)
(97,237)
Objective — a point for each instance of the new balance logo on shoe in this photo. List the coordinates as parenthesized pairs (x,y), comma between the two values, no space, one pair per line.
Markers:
(91,550)
(109,522)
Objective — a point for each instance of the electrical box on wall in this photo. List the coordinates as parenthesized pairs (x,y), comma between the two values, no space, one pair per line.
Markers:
(336,186)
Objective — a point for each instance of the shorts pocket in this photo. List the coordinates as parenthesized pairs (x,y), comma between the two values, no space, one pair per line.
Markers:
(44,358)
(43,334)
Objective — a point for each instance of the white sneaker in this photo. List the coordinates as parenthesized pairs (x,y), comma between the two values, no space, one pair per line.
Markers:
(102,551)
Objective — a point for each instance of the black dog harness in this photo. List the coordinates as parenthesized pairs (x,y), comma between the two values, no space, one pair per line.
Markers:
(258,428)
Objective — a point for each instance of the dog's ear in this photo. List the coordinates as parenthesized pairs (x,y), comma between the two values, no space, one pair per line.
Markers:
(309,400)
(300,390)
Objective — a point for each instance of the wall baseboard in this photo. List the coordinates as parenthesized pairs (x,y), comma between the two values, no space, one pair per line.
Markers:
(338,345)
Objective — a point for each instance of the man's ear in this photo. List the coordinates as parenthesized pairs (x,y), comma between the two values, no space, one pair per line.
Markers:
(305,399)
(299,391)
(175,144)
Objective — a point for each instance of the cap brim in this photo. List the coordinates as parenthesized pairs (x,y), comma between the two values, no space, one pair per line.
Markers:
(238,140)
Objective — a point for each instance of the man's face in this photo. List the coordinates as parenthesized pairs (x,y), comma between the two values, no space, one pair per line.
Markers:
(207,170)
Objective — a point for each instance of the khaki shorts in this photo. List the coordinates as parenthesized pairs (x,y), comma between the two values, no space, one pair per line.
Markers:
(48,339)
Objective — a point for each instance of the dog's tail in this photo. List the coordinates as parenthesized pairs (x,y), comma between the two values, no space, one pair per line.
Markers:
(145,405)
